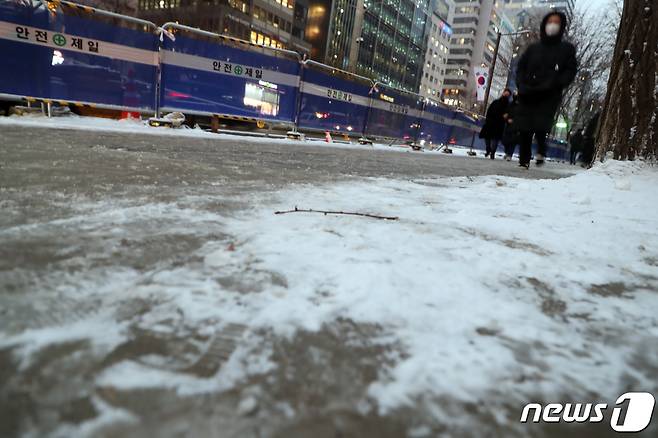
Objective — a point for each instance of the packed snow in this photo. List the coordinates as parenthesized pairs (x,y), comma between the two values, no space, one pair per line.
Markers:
(484,285)
(472,274)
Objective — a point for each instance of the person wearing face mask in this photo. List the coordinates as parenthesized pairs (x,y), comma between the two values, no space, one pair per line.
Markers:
(492,131)
(545,69)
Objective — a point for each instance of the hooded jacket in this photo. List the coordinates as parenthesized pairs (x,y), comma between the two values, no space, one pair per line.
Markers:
(545,69)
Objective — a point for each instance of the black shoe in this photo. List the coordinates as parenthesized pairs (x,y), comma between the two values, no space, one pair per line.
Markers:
(540,163)
(526,166)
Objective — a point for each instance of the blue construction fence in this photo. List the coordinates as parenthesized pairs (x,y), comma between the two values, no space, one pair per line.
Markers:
(57,51)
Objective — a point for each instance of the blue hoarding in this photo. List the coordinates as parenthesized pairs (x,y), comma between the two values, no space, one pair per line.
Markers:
(466,131)
(205,74)
(394,113)
(333,100)
(436,126)
(72,55)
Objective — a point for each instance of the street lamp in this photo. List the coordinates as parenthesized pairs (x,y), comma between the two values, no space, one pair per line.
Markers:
(493,63)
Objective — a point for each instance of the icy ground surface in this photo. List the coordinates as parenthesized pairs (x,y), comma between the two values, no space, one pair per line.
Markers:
(159,310)
(95,124)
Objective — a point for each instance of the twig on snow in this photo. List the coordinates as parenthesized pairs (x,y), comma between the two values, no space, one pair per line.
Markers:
(345,213)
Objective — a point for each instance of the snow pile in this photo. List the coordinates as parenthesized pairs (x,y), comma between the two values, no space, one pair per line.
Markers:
(486,283)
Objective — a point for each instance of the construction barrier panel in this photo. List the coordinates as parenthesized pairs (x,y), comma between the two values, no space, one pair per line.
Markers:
(65,52)
(333,100)
(558,150)
(209,74)
(436,123)
(466,130)
(394,113)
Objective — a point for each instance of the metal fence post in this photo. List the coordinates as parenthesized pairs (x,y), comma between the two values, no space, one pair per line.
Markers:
(367,117)
(300,90)
(158,75)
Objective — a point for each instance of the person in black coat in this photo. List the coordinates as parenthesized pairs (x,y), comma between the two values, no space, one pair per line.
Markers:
(511,134)
(576,142)
(589,140)
(494,126)
(544,71)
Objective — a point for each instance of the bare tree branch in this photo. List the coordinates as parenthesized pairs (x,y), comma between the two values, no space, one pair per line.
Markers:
(374,216)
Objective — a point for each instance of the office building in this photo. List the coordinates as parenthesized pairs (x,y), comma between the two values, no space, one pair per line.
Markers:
(274,23)
(475,25)
(438,47)
(384,40)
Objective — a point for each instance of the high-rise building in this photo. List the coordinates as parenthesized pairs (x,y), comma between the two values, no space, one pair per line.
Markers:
(274,23)
(438,47)
(317,27)
(384,40)
(475,25)
(504,68)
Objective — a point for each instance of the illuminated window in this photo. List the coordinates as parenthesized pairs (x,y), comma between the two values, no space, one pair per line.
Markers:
(263,96)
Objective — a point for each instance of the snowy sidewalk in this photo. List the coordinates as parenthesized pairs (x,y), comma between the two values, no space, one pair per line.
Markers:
(492,284)
(487,294)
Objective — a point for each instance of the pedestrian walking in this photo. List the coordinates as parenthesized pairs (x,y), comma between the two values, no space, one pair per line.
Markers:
(511,134)
(576,143)
(589,140)
(545,69)
(494,126)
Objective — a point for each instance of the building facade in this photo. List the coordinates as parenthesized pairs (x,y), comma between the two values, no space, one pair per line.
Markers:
(475,26)
(274,23)
(125,7)
(385,40)
(438,48)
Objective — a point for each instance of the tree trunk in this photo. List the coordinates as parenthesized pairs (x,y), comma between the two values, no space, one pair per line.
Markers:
(629,123)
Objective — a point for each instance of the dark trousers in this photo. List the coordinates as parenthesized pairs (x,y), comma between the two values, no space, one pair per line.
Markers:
(574,155)
(509,149)
(588,153)
(526,145)
(492,146)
